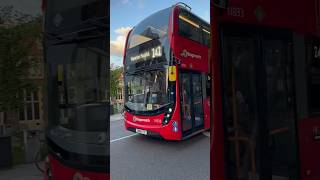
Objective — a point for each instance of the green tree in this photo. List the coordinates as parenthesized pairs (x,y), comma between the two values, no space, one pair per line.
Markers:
(115,75)
(19,35)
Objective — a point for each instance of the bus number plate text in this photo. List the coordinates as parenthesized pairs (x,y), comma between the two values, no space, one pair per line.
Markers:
(140,131)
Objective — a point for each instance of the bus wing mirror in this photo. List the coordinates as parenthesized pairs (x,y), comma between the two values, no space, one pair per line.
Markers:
(221,3)
(172,73)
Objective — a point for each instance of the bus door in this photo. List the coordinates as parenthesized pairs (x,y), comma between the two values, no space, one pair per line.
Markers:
(258,106)
(191,99)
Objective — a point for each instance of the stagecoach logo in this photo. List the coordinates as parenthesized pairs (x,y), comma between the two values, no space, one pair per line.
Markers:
(78,176)
(185,53)
(136,119)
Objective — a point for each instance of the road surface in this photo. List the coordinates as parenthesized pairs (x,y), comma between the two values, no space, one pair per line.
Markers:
(140,157)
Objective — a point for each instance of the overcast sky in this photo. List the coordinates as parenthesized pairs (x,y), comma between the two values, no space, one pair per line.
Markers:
(31,7)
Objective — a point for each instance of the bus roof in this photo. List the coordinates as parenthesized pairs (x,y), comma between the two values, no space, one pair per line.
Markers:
(188,9)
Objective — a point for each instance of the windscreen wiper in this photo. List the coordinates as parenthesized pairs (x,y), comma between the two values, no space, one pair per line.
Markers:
(141,69)
(147,68)
(167,104)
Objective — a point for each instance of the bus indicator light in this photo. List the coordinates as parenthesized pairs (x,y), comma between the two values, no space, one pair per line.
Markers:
(175,126)
(175,129)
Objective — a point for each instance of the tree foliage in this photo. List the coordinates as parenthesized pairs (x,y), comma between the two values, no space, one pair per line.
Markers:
(115,80)
(19,35)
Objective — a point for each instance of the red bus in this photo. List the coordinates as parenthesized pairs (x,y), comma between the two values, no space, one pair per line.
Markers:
(75,53)
(266,107)
(166,72)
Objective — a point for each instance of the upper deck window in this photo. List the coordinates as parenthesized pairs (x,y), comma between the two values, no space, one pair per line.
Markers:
(153,27)
(193,28)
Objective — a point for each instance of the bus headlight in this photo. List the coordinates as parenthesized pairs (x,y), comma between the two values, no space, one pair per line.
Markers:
(167,116)
(166,119)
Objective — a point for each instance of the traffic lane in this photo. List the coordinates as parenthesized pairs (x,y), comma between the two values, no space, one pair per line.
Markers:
(145,158)
(117,130)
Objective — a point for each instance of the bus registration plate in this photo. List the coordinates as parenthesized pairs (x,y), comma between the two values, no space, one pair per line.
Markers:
(140,131)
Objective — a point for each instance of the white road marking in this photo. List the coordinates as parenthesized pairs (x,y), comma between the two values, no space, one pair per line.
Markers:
(206,133)
(114,140)
(115,119)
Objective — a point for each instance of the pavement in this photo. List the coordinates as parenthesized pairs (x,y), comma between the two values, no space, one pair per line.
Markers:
(116,117)
(139,157)
(21,172)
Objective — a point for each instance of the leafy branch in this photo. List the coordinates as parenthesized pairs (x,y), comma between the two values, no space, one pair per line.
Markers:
(115,80)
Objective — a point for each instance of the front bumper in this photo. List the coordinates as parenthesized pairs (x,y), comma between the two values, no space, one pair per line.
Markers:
(161,131)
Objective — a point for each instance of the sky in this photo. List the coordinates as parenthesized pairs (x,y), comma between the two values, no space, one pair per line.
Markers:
(124,14)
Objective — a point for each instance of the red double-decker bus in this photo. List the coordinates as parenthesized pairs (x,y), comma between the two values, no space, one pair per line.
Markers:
(75,53)
(266,106)
(166,72)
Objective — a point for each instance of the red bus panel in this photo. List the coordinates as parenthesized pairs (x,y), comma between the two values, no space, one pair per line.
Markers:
(61,172)
(309,143)
(273,13)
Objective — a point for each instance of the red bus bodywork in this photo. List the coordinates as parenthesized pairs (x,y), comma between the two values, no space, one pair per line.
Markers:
(153,124)
(299,17)
(60,171)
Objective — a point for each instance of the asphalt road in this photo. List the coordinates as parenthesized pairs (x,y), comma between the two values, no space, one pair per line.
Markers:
(138,157)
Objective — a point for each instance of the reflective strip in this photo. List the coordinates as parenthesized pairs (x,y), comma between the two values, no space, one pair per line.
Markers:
(206,31)
(189,21)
